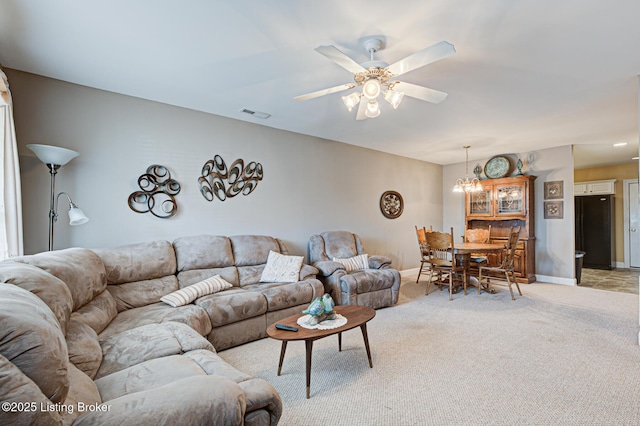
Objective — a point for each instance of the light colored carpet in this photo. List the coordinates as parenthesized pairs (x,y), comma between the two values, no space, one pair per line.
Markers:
(558,355)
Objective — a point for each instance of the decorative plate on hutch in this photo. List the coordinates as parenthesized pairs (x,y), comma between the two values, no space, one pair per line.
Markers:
(498,167)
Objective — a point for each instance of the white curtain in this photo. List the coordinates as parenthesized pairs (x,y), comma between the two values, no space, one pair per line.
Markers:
(11,240)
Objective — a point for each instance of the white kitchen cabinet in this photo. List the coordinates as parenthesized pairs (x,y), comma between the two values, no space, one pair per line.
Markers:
(596,187)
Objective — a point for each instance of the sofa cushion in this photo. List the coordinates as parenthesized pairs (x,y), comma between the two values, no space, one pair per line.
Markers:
(161,371)
(83,393)
(230,274)
(52,290)
(200,400)
(341,244)
(80,269)
(83,347)
(249,250)
(250,274)
(190,293)
(147,342)
(371,280)
(233,305)
(213,365)
(141,293)
(148,375)
(193,316)
(15,387)
(98,313)
(138,262)
(284,295)
(281,268)
(203,252)
(30,337)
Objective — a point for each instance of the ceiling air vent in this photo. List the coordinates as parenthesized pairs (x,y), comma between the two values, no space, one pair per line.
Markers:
(257,114)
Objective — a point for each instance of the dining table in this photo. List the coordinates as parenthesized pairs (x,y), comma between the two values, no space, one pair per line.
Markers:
(463,255)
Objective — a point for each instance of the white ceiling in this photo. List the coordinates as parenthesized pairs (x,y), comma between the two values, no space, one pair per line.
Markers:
(527,75)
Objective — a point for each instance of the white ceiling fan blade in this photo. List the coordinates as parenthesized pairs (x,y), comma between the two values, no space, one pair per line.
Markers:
(335,55)
(419,92)
(323,92)
(421,58)
(362,109)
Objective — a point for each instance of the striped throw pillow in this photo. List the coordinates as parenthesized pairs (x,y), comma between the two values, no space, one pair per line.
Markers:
(190,293)
(354,263)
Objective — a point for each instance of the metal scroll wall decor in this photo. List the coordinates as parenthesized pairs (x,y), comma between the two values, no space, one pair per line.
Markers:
(218,181)
(157,193)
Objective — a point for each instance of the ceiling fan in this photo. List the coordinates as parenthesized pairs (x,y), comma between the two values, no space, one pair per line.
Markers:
(377,77)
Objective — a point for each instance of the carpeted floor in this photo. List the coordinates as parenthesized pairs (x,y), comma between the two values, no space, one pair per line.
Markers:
(558,355)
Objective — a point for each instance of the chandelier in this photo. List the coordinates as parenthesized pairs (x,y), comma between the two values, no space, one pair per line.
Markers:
(467,185)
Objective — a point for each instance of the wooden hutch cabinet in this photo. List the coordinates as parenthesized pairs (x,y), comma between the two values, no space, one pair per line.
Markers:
(504,203)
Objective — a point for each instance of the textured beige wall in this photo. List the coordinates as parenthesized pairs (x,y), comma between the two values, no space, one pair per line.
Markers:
(310,185)
(619,172)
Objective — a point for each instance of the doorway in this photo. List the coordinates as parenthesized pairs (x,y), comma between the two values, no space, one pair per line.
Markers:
(594,163)
(631,225)
(631,228)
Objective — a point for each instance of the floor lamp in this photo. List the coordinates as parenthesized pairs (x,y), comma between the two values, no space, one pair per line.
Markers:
(55,157)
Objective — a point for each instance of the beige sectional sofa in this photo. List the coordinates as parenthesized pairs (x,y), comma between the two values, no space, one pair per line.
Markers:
(84,338)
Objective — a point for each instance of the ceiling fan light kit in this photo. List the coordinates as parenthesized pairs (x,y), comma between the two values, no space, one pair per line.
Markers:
(351,100)
(371,88)
(394,98)
(375,77)
(373,109)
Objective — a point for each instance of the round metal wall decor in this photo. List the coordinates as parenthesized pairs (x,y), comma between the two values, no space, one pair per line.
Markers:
(391,204)
(157,193)
(218,181)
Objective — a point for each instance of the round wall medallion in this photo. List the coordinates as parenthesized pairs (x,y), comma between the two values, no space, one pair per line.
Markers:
(391,204)
(498,167)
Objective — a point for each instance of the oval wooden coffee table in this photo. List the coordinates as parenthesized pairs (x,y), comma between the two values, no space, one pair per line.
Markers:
(357,316)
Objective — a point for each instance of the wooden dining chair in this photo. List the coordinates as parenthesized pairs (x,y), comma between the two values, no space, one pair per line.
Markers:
(477,235)
(505,268)
(443,261)
(425,264)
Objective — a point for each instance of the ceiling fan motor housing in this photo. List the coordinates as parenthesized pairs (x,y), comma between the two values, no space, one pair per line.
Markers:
(373,44)
(381,74)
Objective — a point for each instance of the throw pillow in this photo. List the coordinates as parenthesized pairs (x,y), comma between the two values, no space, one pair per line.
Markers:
(190,293)
(281,268)
(354,263)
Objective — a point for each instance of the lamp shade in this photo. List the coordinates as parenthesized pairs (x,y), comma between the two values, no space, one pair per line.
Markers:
(77,216)
(371,89)
(393,97)
(373,109)
(351,100)
(53,154)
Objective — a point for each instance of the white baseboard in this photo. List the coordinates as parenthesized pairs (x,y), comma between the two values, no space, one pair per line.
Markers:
(413,271)
(555,280)
(620,265)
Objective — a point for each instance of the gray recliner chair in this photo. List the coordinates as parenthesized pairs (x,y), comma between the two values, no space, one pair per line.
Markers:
(376,287)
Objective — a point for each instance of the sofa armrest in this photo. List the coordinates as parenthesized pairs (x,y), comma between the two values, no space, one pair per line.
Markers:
(379,262)
(259,394)
(210,400)
(328,267)
(308,271)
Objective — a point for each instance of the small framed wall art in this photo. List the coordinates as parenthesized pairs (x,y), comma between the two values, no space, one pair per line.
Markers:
(391,204)
(553,210)
(554,190)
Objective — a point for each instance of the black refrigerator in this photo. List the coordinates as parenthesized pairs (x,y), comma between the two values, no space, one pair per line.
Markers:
(594,230)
